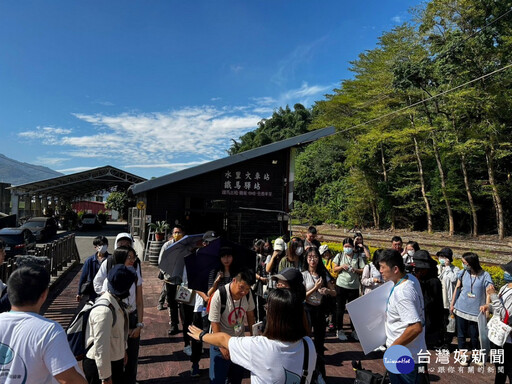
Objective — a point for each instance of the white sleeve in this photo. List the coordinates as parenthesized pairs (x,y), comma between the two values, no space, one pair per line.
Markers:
(241,350)
(57,354)
(100,277)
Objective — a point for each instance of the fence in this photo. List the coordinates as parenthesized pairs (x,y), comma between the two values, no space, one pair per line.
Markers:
(60,252)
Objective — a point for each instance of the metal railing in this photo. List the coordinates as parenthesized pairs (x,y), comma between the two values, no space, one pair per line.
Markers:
(59,252)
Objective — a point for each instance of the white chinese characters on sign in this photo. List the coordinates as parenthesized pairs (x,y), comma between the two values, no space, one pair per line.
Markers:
(246,183)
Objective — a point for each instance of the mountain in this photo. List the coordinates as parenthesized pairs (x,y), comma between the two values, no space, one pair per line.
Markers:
(16,173)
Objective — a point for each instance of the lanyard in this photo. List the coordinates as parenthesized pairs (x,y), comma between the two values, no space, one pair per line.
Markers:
(472,281)
(239,306)
(392,289)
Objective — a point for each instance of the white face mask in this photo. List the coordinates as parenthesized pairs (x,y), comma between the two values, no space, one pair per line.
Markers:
(410,253)
(102,249)
(299,251)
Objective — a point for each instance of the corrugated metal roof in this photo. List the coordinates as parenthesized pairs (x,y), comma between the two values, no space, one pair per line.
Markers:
(231,160)
(79,184)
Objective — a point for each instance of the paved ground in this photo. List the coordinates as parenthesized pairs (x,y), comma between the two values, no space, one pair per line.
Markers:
(162,360)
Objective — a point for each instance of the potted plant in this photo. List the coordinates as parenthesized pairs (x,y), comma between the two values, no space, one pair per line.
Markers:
(160,227)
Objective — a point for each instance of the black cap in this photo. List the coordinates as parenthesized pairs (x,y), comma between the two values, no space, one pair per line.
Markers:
(507,267)
(210,236)
(120,279)
(446,252)
(422,259)
(291,275)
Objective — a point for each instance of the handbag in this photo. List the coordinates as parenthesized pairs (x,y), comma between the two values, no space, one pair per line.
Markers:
(450,328)
(184,294)
(498,330)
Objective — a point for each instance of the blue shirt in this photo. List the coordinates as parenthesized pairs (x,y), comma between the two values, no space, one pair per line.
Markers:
(473,293)
(89,270)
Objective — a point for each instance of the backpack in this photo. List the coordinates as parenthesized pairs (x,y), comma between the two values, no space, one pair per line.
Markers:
(76,330)
(223,299)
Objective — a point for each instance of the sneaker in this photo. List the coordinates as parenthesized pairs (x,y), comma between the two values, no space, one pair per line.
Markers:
(174,330)
(354,336)
(194,372)
(342,336)
(160,307)
(320,379)
(187,350)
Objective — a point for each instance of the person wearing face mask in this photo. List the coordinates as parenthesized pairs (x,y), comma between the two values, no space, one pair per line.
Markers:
(169,288)
(350,267)
(91,267)
(408,253)
(501,305)
(447,273)
(469,296)
(293,255)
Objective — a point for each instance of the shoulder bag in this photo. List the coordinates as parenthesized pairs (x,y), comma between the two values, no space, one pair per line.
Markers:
(498,330)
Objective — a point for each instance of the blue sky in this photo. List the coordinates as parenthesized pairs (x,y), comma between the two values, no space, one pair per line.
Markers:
(153,87)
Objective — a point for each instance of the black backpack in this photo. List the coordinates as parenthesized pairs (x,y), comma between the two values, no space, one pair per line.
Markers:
(224,298)
(76,330)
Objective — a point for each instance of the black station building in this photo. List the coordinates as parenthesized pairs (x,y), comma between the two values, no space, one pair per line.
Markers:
(244,196)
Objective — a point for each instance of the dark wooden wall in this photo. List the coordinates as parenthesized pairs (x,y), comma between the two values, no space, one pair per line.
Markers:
(199,202)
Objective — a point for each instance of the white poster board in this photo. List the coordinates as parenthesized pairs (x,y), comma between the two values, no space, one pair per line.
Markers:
(368,314)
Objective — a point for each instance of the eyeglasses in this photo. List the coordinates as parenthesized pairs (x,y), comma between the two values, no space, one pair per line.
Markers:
(312,257)
(130,257)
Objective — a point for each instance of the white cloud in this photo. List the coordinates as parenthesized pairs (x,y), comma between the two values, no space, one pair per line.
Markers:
(47,135)
(305,95)
(156,138)
(236,68)
(50,161)
(397,19)
(75,169)
(171,166)
(302,53)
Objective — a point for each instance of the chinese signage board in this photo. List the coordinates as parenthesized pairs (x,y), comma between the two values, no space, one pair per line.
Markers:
(246,182)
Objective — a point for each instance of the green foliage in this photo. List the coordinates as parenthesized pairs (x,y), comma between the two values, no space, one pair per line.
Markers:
(117,201)
(283,124)
(160,226)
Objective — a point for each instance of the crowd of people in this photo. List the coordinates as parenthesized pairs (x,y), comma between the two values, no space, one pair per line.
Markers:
(289,302)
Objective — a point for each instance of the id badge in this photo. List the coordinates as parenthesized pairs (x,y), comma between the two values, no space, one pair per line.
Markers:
(471,295)
(238,328)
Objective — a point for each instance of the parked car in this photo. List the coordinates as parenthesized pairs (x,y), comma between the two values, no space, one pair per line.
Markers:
(43,228)
(19,241)
(89,220)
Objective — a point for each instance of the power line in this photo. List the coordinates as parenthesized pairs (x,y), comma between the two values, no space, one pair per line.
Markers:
(425,100)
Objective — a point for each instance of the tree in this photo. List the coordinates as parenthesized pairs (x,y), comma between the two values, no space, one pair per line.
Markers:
(117,201)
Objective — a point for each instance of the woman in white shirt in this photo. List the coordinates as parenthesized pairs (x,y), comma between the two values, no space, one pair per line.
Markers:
(278,356)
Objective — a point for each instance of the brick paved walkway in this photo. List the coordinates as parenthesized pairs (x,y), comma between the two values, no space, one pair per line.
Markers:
(161,358)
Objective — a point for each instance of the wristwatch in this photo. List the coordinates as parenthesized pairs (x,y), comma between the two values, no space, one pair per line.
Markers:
(139,325)
(201,335)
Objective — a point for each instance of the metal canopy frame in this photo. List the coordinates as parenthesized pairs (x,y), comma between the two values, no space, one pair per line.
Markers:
(79,184)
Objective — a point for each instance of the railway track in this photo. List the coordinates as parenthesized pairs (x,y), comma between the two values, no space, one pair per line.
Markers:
(489,251)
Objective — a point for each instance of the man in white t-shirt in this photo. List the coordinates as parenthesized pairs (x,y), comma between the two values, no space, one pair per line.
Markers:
(228,316)
(33,349)
(405,313)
